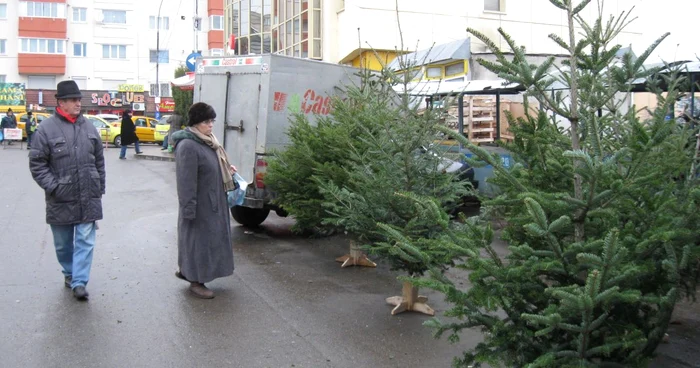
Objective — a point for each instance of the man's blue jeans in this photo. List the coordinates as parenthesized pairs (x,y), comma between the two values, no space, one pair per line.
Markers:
(74,244)
(122,153)
(165,142)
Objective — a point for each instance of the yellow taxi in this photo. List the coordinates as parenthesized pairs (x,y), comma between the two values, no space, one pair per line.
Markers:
(162,128)
(145,128)
(109,133)
(23,117)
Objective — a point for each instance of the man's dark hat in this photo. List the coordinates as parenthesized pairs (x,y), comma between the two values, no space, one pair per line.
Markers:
(68,89)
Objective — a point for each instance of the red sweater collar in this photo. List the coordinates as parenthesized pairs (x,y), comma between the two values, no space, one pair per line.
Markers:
(66,116)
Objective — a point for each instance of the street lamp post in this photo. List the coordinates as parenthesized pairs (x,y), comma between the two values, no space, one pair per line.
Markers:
(158,23)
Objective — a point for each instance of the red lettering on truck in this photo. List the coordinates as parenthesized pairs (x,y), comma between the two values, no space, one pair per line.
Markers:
(280,101)
(316,103)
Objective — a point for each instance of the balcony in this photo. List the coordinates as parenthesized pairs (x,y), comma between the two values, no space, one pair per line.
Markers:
(42,27)
(215,7)
(215,39)
(36,64)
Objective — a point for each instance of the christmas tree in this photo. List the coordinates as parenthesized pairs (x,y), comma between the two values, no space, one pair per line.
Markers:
(602,221)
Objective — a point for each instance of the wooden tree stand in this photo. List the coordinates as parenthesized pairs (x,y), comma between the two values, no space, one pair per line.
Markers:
(410,301)
(355,258)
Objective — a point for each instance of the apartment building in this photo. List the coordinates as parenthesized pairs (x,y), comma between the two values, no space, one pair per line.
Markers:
(120,52)
(357,31)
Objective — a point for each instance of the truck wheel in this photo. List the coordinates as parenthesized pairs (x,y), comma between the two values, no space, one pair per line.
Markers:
(247,216)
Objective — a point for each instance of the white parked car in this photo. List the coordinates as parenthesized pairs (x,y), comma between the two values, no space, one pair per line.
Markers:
(110,118)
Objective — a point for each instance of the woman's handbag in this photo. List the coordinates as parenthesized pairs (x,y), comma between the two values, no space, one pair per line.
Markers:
(237,196)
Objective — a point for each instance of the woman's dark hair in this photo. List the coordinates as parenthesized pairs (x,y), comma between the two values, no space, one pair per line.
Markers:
(200,112)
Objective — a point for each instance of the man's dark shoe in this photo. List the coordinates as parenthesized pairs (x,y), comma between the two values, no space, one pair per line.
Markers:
(139,152)
(80,293)
(122,158)
(67,280)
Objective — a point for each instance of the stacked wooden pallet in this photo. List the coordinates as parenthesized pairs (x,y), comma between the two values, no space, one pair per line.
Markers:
(479,122)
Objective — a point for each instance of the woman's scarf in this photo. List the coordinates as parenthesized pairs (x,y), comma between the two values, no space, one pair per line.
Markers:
(213,143)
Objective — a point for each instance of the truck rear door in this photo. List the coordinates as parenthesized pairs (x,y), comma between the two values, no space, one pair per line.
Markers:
(241,121)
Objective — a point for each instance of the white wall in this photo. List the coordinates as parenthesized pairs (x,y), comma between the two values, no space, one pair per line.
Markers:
(8,31)
(136,35)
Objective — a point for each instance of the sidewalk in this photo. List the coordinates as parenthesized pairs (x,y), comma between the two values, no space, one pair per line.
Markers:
(150,152)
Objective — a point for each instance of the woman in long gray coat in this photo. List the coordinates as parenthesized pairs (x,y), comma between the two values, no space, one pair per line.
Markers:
(204,175)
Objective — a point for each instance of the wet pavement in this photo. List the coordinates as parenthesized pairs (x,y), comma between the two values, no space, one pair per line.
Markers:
(288,303)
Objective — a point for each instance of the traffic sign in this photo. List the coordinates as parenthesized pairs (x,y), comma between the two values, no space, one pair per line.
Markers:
(191,59)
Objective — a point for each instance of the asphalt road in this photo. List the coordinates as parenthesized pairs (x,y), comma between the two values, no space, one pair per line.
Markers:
(288,303)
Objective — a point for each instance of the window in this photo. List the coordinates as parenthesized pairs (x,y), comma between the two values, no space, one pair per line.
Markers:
(164,90)
(216,22)
(3,11)
(141,122)
(79,49)
(80,15)
(412,74)
(42,9)
(99,124)
(434,72)
(114,16)
(2,47)
(163,56)
(114,51)
(2,78)
(494,5)
(162,23)
(41,46)
(294,28)
(41,82)
(454,69)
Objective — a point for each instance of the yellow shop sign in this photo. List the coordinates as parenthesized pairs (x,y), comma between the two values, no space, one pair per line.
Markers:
(130,88)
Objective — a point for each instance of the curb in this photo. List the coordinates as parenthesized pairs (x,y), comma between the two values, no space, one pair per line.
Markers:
(155,157)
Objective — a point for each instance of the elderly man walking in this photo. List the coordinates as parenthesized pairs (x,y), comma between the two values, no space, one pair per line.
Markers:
(66,160)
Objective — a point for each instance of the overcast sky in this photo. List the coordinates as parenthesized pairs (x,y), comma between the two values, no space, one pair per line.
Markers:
(680,17)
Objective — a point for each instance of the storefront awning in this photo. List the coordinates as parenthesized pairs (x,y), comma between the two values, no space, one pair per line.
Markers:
(186,82)
(470,87)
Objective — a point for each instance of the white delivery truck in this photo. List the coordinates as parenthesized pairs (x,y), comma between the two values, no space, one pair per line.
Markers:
(254,97)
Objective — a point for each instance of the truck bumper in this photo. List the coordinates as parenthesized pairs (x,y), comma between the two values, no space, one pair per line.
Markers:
(253,202)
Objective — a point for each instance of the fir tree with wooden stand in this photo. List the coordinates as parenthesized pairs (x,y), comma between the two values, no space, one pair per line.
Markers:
(396,156)
(601,217)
